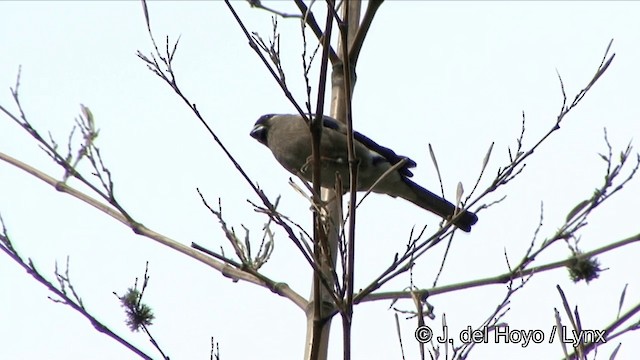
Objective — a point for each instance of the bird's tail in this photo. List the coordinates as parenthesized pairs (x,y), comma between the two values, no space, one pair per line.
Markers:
(434,203)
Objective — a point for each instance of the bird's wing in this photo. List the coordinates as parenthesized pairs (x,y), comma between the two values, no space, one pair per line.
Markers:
(383,153)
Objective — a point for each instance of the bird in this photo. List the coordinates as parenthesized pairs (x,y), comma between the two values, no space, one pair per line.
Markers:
(289,139)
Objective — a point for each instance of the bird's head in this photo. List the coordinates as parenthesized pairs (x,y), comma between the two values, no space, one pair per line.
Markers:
(261,128)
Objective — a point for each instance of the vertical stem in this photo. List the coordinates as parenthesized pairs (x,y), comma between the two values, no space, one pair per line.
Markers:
(348,30)
(318,322)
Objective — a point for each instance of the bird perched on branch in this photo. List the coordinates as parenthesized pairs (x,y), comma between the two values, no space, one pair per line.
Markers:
(289,139)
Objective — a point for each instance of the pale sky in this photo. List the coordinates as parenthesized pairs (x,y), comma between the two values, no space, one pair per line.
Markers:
(455,75)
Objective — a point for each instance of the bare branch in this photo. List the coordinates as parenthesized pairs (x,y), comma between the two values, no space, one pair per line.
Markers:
(7,247)
(502,278)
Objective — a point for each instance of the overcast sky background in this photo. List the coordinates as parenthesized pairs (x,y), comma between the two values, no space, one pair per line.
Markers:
(456,75)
